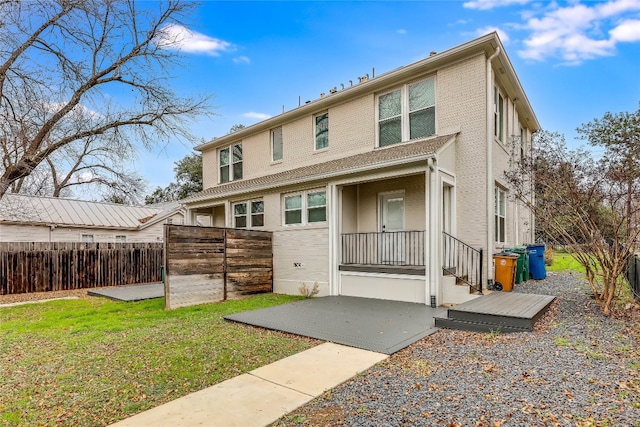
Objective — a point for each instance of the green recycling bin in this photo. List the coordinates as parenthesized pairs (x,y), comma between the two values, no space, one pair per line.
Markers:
(522,267)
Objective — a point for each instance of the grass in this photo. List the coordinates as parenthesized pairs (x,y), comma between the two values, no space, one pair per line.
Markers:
(564,262)
(94,361)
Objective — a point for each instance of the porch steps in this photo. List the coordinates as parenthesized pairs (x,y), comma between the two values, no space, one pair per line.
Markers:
(497,312)
(454,293)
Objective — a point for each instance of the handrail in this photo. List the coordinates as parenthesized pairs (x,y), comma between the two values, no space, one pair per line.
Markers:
(384,248)
(462,261)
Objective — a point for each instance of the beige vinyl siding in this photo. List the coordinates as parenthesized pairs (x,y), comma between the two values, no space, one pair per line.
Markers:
(414,202)
(349,215)
(461,103)
(308,247)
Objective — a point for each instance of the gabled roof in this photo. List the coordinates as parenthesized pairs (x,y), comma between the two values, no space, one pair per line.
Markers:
(380,157)
(20,209)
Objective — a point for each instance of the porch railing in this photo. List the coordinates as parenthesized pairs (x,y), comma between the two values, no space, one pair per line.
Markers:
(386,248)
(462,261)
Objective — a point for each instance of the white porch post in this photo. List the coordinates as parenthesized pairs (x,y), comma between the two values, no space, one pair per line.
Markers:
(433,270)
(188,217)
(334,238)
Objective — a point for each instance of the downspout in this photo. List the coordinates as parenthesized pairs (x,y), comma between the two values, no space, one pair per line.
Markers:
(433,269)
(490,183)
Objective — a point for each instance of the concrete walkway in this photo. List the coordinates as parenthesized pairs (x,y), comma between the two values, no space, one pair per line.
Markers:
(263,395)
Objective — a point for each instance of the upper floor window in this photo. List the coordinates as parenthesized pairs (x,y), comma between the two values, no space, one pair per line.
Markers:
(322,131)
(87,238)
(500,213)
(498,115)
(276,144)
(231,163)
(407,113)
(248,214)
(306,207)
(121,238)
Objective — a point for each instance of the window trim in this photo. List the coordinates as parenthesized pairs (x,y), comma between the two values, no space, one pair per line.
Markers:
(315,131)
(500,233)
(304,207)
(405,112)
(231,163)
(272,144)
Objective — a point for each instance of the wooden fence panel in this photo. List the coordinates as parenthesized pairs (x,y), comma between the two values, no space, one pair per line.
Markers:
(53,266)
(194,271)
(209,264)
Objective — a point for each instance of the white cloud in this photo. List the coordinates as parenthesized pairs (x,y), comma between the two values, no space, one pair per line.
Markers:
(174,36)
(490,29)
(627,31)
(242,60)
(401,31)
(491,4)
(259,116)
(575,32)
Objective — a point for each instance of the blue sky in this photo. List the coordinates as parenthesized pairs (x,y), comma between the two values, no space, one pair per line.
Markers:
(576,60)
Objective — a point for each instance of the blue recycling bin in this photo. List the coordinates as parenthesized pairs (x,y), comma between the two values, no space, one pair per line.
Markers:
(537,268)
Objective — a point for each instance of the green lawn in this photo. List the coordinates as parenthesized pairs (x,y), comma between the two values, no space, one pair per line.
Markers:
(94,361)
(564,261)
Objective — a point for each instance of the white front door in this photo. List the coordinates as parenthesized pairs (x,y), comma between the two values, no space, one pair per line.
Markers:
(392,241)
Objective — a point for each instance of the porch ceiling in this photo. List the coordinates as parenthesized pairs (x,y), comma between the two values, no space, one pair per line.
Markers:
(375,159)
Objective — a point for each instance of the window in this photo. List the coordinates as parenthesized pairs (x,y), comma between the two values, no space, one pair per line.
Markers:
(522,143)
(407,113)
(322,131)
(243,218)
(498,116)
(500,214)
(317,206)
(240,215)
(276,144)
(121,239)
(231,163)
(87,238)
(257,213)
(305,208)
(293,209)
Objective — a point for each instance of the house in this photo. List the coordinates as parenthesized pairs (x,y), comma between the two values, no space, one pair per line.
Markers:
(390,188)
(50,219)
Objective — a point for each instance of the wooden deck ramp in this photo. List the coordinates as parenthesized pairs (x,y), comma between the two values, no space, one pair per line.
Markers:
(498,311)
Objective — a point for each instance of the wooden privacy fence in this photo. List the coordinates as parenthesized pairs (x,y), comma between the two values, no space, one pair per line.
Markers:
(210,264)
(57,266)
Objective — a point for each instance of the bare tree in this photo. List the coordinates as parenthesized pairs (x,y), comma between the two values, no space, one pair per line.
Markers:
(87,75)
(583,203)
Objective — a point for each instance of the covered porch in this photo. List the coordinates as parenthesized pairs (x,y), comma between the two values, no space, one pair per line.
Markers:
(397,241)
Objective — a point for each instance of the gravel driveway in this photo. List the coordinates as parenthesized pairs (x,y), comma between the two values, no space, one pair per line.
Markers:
(577,368)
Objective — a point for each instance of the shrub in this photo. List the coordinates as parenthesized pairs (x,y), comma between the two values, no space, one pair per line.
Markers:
(308,293)
(548,256)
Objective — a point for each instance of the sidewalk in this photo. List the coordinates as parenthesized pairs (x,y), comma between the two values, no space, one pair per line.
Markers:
(263,395)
